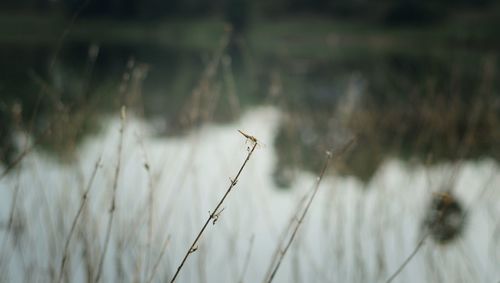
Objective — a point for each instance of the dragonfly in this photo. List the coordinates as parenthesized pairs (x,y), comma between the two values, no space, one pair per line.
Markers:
(249,137)
(252,139)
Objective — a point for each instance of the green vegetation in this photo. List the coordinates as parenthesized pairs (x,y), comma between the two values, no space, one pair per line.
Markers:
(294,35)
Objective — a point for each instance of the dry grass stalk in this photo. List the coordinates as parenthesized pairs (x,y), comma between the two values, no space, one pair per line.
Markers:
(283,252)
(283,236)
(16,115)
(191,113)
(300,217)
(199,95)
(113,200)
(214,215)
(150,206)
(157,263)
(247,259)
(408,259)
(77,217)
(10,222)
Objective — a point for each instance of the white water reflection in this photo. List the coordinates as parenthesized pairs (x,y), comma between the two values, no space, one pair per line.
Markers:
(354,232)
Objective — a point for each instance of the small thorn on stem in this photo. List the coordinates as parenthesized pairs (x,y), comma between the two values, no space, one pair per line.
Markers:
(215,216)
(194,249)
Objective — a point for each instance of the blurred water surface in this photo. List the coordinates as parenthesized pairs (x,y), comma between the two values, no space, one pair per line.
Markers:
(356,232)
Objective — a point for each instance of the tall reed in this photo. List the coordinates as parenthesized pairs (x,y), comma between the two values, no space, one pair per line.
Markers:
(214,215)
(113,198)
(74,223)
(300,216)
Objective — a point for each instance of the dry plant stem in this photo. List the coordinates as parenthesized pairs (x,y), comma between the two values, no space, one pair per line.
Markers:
(150,217)
(157,263)
(408,259)
(15,196)
(214,215)
(10,222)
(192,110)
(247,259)
(280,254)
(77,217)
(113,200)
(282,237)
(150,207)
(301,219)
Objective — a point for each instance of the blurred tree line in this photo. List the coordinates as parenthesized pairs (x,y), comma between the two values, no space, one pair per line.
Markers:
(385,11)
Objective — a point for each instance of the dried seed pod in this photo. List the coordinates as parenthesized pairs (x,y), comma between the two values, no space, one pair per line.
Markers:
(445,219)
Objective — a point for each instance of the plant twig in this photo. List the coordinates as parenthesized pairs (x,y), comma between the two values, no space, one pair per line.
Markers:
(300,218)
(10,222)
(214,215)
(408,259)
(150,206)
(77,217)
(247,259)
(157,263)
(283,236)
(113,200)
(283,252)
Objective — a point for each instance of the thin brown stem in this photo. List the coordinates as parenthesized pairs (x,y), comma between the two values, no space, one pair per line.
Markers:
(214,215)
(247,259)
(300,217)
(283,236)
(150,207)
(113,198)
(77,217)
(157,263)
(408,259)
(10,221)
